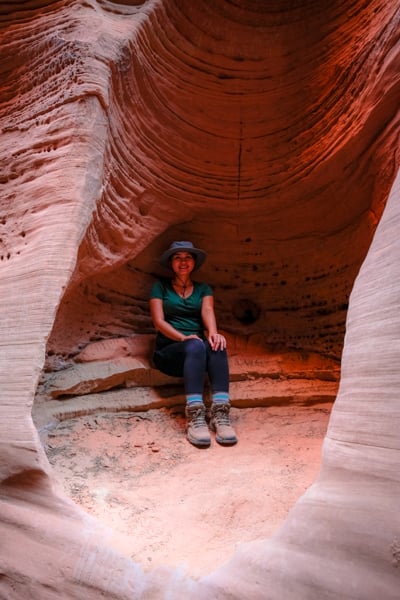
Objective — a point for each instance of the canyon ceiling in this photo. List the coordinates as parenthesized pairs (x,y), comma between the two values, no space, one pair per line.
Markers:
(267,132)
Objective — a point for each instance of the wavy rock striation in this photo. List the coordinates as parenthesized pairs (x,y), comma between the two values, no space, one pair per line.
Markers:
(268,134)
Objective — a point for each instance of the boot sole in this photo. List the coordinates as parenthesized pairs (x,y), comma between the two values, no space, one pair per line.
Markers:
(199,443)
(226,441)
(221,440)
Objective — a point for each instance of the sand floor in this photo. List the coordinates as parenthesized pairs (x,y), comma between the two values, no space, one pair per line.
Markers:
(169,503)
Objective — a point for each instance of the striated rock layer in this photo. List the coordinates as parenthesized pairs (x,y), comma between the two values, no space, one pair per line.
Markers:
(265,132)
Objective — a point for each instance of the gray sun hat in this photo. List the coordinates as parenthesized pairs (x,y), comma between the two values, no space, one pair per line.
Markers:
(199,255)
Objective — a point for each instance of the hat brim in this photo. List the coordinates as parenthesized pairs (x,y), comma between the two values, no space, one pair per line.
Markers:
(199,255)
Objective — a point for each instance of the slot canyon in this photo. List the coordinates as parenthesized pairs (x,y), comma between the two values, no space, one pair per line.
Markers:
(267,132)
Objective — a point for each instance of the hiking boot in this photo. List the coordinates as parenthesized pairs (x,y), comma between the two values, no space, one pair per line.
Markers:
(197,430)
(220,423)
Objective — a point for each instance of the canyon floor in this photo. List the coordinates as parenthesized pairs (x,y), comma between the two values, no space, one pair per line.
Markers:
(168,503)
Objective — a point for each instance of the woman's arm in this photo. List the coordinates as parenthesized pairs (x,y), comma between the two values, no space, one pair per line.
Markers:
(159,322)
(216,340)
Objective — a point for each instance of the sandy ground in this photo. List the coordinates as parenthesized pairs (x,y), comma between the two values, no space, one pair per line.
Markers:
(169,503)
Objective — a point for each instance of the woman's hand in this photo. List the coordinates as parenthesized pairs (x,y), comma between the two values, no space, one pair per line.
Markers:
(192,336)
(217,341)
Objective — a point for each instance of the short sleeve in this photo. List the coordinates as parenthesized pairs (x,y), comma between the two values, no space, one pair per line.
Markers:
(206,290)
(157,291)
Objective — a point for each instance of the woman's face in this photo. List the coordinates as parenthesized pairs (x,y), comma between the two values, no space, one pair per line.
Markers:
(182,263)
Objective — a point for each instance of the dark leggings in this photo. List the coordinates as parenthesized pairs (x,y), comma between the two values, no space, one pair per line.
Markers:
(192,359)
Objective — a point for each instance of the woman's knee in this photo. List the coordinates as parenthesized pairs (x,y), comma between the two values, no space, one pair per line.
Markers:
(218,355)
(195,347)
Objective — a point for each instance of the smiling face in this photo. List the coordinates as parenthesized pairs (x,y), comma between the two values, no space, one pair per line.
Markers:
(182,263)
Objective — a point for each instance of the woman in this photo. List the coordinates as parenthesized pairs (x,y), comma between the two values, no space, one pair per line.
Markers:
(188,343)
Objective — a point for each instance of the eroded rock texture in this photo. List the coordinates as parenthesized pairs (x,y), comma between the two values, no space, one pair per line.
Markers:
(265,132)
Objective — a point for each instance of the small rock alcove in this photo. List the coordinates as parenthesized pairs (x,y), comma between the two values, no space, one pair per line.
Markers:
(114,430)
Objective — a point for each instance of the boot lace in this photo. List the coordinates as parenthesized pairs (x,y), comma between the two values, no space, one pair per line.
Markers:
(197,417)
(221,414)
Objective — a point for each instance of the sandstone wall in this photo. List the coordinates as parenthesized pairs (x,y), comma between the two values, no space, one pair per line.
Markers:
(268,135)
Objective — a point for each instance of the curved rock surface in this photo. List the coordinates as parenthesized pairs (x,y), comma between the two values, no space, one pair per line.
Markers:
(268,134)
